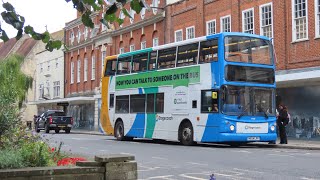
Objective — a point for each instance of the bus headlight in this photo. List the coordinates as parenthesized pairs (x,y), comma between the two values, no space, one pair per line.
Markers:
(272,128)
(232,127)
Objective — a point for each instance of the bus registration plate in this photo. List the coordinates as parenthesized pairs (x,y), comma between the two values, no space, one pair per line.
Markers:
(253,138)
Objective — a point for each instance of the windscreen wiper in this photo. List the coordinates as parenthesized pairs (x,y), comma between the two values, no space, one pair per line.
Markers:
(264,112)
(245,109)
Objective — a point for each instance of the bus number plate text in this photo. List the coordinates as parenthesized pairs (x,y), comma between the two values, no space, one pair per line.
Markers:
(253,138)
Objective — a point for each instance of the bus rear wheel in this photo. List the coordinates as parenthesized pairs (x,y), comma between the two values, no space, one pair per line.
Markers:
(119,131)
(186,134)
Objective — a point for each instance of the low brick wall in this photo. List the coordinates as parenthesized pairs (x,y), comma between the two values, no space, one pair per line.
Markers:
(107,167)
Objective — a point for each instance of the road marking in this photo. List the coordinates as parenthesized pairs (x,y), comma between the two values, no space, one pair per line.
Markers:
(191,177)
(103,150)
(160,177)
(305,178)
(125,153)
(147,168)
(231,176)
(154,157)
(200,164)
(83,148)
(280,155)
(245,170)
(242,151)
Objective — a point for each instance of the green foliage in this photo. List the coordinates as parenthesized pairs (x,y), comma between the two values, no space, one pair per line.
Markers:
(10,159)
(83,6)
(36,154)
(13,87)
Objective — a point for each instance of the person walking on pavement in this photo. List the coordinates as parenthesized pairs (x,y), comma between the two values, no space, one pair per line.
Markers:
(282,121)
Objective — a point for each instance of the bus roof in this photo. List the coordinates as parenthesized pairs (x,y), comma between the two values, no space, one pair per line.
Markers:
(194,40)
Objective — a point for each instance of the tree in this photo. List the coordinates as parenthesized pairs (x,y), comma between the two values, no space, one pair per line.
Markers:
(85,7)
(13,87)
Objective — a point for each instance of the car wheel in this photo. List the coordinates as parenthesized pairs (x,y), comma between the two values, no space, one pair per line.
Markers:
(186,134)
(68,131)
(47,128)
(37,128)
(57,130)
(119,131)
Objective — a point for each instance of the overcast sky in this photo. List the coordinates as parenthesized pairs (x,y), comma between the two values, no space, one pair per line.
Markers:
(39,13)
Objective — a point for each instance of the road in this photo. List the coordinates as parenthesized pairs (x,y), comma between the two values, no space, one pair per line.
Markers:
(170,161)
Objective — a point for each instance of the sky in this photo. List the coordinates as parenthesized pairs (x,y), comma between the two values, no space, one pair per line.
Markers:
(40,13)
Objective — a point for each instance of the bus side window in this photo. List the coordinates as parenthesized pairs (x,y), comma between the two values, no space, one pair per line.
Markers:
(208,51)
(209,101)
(111,68)
(167,58)
(139,62)
(187,54)
(152,61)
(111,101)
(124,65)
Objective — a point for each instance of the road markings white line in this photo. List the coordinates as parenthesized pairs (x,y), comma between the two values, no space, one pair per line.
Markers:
(305,178)
(191,177)
(161,158)
(280,155)
(199,164)
(83,148)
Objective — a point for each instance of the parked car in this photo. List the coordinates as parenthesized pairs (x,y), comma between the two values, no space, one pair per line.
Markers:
(54,120)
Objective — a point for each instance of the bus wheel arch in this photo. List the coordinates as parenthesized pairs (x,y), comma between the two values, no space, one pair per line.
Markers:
(186,132)
(119,130)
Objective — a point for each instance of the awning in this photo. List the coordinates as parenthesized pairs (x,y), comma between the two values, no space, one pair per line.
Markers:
(71,100)
(298,77)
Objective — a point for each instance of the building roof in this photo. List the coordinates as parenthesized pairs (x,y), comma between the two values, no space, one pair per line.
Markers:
(26,47)
(6,47)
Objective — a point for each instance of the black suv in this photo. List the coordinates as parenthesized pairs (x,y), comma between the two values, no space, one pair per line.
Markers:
(54,120)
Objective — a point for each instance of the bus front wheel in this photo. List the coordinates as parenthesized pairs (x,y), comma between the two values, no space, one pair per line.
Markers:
(119,131)
(186,134)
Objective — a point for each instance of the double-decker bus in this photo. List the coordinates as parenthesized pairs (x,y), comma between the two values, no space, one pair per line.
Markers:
(218,88)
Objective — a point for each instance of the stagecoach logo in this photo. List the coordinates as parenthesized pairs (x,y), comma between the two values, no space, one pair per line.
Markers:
(180,101)
(162,118)
(252,127)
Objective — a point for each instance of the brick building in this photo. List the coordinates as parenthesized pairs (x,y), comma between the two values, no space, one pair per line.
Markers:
(294,26)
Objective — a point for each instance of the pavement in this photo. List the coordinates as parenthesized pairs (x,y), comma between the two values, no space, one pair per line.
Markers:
(292,143)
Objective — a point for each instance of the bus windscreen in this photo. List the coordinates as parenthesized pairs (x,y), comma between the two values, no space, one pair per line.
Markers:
(248,50)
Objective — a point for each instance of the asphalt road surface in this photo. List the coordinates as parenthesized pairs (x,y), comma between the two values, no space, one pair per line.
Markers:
(171,161)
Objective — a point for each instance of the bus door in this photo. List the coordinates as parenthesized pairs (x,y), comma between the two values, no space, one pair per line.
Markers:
(210,109)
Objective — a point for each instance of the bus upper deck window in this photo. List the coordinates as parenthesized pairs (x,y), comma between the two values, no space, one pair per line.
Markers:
(111,68)
(152,60)
(208,51)
(167,58)
(139,62)
(124,65)
(187,54)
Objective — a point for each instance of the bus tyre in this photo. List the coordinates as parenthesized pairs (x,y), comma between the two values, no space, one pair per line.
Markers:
(57,130)
(119,131)
(67,131)
(186,134)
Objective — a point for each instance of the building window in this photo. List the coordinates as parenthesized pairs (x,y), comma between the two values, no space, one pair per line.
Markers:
(41,91)
(93,68)
(121,16)
(155,4)
(143,13)
(85,77)
(41,68)
(155,42)
(132,48)
(71,37)
(72,72)
(57,63)
(190,32)
(121,50)
(266,20)
(78,71)
(103,57)
(211,27)
(299,13)
(103,27)
(48,88)
(56,89)
(85,33)
(48,66)
(178,35)
(132,12)
(317,6)
(143,44)
(79,35)
(226,24)
(248,21)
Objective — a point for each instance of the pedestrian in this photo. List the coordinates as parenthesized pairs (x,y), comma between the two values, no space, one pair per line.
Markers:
(282,122)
